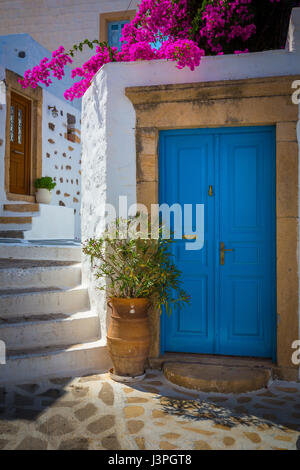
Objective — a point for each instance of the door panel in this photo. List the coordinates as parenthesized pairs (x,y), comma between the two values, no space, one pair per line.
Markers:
(233,306)
(247,225)
(184,185)
(19,165)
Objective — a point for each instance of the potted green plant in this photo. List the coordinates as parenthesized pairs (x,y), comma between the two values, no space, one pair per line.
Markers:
(44,187)
(137,273)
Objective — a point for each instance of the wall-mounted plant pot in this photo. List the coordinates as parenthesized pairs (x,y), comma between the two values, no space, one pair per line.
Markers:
(129,336)
(43,196)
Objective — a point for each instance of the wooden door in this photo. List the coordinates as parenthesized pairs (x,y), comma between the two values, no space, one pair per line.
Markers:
(20,145)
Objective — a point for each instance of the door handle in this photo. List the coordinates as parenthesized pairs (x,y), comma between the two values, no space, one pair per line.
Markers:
(222,253)
(189,237)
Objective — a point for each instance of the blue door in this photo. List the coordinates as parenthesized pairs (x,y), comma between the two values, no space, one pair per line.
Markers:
(232,279)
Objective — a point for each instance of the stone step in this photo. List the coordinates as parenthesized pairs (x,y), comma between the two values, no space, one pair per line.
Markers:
(52,330)
(15,220)
(12,234)
(216,378)
(26,302)
(27,275)
(40,252)
(15,227)
(21,207)
(65,361)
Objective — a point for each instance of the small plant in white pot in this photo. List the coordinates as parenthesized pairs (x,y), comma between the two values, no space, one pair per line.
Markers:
(44,187)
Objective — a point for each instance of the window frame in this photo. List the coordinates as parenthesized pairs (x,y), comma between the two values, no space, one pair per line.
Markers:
(113,16)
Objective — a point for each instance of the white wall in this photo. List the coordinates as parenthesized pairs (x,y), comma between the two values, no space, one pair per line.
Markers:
(61,158)
(58,22)
(2,133)
(58,160)
(108,124)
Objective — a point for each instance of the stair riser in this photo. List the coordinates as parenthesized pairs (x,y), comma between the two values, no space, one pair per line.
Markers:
(12,234)
(64,364)
(43,303)
(22,336)
(40,252)
(41,277)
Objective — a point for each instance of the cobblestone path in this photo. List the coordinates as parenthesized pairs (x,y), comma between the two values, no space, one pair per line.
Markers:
(96,413)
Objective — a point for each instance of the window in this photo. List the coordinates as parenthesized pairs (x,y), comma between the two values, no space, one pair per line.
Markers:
(111,25)
(71,120)
(115,33)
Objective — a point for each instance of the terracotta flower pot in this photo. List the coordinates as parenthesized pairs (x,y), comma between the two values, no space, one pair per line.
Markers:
(129,336)
(43,196)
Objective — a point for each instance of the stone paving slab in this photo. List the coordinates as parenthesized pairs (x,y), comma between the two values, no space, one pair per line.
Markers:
(96,413)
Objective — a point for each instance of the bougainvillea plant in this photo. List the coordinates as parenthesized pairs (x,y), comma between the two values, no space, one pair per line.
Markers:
(186,30)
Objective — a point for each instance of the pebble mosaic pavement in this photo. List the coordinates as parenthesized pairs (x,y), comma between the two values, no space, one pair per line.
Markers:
(96,413)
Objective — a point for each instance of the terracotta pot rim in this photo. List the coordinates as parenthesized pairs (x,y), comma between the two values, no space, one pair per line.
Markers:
(129,299)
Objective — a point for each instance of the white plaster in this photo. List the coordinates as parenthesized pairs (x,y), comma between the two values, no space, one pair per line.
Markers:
(58,161)
(52,223)
(293,38)
(58,166)
(2,136)
(108,125)
(298,138)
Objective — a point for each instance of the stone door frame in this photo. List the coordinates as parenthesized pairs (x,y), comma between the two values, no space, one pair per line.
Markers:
(36,98)
(248,102)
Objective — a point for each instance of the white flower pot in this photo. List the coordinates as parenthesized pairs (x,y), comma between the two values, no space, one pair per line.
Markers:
(43,196)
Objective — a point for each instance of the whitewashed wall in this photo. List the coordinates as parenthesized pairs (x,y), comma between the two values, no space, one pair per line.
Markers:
(58,22)
(61,158)
(108,124)
(2,132)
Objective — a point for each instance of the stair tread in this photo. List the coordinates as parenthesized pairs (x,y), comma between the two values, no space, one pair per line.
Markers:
(15,220)
(28,263)
(47,350)
(45,318)
(31,207)
(36,290)
(61,250)
(29,290)
(11,234)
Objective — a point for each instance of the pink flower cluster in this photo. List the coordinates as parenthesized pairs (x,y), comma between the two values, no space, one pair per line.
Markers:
(184,51)
(166,21)
(225,21)
(41,73)
(88,70)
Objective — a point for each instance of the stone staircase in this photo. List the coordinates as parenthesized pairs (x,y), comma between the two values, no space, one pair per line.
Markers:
(16,219)
(45,317)
(30,221)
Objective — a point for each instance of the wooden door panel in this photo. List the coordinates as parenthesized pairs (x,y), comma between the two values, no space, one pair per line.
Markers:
(20,145)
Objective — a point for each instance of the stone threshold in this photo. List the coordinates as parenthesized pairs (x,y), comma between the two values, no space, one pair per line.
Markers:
(207,359)
(276,372)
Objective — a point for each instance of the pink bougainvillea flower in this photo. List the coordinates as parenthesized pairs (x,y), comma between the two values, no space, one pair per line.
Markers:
(164,22)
